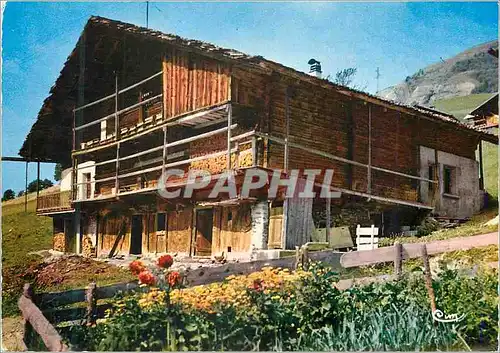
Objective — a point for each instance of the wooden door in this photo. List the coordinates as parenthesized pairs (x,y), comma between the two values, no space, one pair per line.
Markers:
(275,228)
(136,235)
(204,227)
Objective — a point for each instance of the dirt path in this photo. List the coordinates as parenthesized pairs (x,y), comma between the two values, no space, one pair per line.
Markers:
(12,334)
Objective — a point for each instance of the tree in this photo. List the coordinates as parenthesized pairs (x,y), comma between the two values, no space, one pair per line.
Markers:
(57,172)
(20,193)
(345,77)
(9,194)
(44,184)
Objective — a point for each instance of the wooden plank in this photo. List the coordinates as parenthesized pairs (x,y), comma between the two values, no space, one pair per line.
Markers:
(41,325)
(410,251)
(428,277)
(57,299)
(58,316)
(217,274)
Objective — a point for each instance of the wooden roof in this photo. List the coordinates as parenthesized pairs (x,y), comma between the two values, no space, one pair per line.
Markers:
(99,52)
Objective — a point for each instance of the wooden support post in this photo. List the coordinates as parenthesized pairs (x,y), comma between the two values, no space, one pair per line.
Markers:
(297,257)
(37,180)
(254,151)
(398,260)
(35,321)
(237,155)
(328,218)
(369,176)
(164,150)
(287,129)
(117,125)
(165,88)
(74,131)
(481,170)
(117,168)
(117,131)
(437,186)
(28,293)
(26,188)
(305,257)
(91,299)
(428,277)
(229,123)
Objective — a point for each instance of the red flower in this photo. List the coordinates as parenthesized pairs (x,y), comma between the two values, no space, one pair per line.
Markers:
(147,277)
(165,261)
(136,267)
(258,285)
(174,278)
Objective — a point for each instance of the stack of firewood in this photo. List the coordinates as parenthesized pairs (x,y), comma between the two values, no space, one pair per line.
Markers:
(88,248)
(59,242)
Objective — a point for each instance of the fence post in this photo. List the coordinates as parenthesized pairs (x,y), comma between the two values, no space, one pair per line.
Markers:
(297,257)
(428,277)
(398,259)
(91,299)
(305,257)
(29,293)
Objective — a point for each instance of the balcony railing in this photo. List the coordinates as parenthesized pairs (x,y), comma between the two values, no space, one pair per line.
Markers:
(54,202)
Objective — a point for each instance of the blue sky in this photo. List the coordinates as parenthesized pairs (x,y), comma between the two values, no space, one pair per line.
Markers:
(399,38)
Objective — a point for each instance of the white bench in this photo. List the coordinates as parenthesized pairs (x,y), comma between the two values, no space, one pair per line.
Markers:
(366,238)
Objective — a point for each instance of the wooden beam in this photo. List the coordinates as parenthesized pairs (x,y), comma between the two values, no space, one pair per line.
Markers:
(164,159)
(229,127)
(481,170)
(26,188)
(331,156)
(37,180)
(349,126)
(172,122)
(33,315)
(369,176)
(411,251)
(287,128)
(437,172)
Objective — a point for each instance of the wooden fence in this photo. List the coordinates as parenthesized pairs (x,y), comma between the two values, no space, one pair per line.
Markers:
(45,312)
(409,251)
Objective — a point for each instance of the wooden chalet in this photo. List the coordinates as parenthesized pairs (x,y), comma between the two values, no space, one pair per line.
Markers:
(131,102)
(485,116)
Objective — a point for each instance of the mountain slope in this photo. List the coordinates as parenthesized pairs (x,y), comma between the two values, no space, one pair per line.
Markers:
(470,72)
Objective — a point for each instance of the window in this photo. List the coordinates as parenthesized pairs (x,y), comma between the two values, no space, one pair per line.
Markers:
(160,222)
(449,180)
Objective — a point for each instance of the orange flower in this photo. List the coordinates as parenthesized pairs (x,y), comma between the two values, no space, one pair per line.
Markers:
(147,277)
(136,267)
(165,261)
(173,278)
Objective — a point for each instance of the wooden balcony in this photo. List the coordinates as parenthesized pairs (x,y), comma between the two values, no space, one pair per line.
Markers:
(54,202)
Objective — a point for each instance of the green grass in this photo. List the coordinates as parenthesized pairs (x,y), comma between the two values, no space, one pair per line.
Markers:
(481,256)
(461,106)
(490,167)
(473,227)
(23,232)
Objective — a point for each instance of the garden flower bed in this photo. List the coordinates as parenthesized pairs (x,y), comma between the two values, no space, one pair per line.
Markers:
(277,309)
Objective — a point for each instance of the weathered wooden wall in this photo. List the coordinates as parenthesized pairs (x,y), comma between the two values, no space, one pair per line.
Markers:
(179,230)
(191,82)
(326,120)
(235,233)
